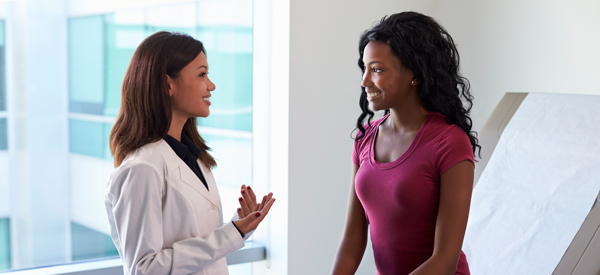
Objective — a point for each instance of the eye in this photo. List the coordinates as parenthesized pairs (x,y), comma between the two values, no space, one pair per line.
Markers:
(203,74)
(377,70)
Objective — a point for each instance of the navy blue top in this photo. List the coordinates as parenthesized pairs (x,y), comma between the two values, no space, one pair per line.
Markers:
(188,152)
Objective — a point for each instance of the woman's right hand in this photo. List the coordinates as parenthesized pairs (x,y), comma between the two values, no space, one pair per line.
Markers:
(249,222)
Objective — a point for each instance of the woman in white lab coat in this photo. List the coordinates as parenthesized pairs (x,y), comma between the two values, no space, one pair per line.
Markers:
(162,201)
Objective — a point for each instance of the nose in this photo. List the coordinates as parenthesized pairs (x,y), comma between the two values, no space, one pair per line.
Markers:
(211,86)
(366,80)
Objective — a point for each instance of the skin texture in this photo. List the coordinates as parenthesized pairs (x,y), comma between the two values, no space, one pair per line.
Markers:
(385,73)
(395,87)
(187,91)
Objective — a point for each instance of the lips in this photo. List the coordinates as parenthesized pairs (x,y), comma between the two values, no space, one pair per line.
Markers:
(371,95)
(206,99)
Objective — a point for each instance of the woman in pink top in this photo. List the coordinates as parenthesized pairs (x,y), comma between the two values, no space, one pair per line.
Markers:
(413,168)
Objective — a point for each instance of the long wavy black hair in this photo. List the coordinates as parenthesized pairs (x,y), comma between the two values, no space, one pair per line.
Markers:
(429,52)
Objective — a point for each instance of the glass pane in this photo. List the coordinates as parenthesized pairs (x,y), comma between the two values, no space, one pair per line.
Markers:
(177,18)
(3,134)
(225,28)
(124,32)
(2,68)
(234,167)
(89,138)
(106,138)
(232,99)
(86,65)
(89,231)
(87,243)
(4,244)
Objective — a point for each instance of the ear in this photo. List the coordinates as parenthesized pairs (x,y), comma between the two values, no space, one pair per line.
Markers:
(414,81)
(170,84)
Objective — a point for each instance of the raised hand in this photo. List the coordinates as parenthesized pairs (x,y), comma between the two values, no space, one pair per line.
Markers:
(251,213)
(248,202)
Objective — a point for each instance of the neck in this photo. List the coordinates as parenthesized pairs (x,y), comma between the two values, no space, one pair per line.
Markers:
(176,127)
(407,118)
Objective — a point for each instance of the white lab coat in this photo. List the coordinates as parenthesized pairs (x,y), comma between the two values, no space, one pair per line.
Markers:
(162,218)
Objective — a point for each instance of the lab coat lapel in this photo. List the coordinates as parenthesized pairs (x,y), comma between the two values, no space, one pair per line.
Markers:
(185,174)
(212,186)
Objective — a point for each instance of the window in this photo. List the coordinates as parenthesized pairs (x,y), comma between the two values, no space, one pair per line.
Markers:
(4,243)
(97,49)
(4,219)
(3,126)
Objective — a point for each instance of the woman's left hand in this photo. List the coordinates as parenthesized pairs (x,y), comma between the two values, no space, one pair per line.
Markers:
(248,203)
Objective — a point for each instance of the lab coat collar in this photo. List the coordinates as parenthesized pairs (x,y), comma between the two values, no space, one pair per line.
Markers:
(176,165)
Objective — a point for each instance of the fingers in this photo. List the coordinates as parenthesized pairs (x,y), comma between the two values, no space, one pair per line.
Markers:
(265,199)
(267,207)
(248,198)
(261,215)
(240,213)
(249,203)
(252,195)
(250,222)
(262,203)
(244,206)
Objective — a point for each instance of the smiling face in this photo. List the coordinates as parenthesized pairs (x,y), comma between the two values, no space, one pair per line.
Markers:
(190,90)
(387,82)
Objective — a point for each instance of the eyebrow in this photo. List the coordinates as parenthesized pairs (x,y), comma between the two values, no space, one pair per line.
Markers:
(203,66)
(373,62)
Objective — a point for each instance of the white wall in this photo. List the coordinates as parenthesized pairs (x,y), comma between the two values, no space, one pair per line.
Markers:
(524,46)
(324,93)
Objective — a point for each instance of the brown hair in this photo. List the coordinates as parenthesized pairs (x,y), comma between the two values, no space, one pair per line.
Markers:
(145,113)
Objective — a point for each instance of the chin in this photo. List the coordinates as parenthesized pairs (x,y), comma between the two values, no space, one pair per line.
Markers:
(375,108)
(203,114)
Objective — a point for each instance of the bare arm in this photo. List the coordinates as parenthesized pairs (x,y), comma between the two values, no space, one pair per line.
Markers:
(456,186)
(354,240)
